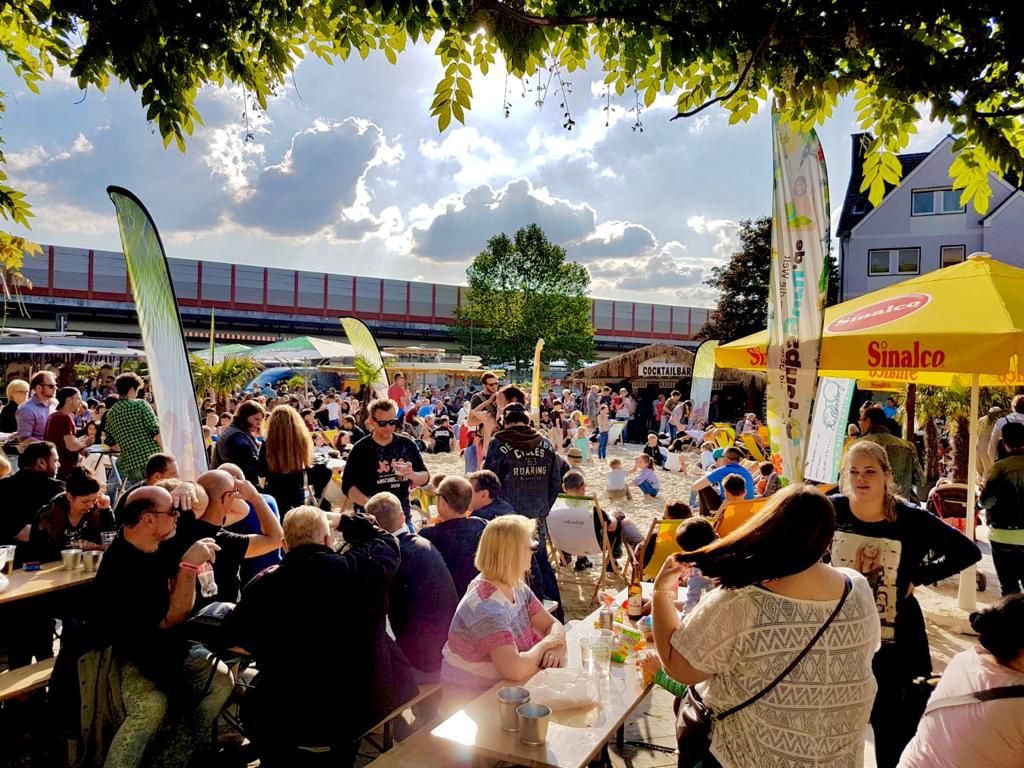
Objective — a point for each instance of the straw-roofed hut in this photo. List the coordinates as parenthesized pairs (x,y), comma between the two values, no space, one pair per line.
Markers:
(661,365)
(660,368)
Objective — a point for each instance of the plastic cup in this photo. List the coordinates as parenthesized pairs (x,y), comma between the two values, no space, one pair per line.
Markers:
(7,553)
(586,653)
(509,699)
(601,651)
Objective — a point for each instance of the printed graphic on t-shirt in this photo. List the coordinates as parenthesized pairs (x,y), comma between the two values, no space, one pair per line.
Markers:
(878,560)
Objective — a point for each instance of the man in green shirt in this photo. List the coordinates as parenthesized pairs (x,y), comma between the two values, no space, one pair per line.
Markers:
(131,425)
(907,472)
(1003,497)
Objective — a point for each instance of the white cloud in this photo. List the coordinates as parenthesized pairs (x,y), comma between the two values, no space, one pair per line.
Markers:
(37,156)
(480,159)
(467,221)
(724,231)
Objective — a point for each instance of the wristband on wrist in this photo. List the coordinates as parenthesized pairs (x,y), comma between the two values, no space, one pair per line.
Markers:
(672,592)
(189,566)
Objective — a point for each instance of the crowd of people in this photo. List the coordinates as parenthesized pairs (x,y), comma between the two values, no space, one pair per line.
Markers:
(418,579)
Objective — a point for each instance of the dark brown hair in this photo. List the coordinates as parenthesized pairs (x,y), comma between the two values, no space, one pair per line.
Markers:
(790,534)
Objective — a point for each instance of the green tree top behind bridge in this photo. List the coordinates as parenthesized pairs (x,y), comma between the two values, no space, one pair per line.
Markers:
(521,289)
(959,59)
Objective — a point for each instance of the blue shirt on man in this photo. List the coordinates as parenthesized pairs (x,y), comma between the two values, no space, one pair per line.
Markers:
(717,476)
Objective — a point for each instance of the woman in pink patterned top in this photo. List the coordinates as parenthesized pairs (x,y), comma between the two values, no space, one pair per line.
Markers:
(500,629)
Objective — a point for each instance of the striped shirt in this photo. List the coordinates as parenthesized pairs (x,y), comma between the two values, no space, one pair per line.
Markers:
(485,620)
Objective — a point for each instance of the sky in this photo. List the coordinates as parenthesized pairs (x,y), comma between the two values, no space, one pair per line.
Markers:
(346,172)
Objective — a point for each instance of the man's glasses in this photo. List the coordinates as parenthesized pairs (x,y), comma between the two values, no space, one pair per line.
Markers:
(490,384)
(48,386)
(169,513)
(387,422)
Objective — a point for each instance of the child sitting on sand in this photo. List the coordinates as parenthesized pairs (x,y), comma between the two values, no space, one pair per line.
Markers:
(616,482)
(653,450)
(645,479)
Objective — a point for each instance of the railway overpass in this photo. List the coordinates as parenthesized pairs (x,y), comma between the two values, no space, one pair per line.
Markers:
(87,290)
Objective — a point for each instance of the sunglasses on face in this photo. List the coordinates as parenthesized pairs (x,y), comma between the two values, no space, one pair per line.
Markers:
(169,513)
(388,422)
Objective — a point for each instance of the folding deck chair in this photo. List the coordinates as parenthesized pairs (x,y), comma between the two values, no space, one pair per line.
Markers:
(736,514)
(656,548)
(571,530)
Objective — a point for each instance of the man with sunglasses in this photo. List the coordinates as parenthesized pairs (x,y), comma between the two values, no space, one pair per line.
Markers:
(383,461)
(143,593)
(33,414)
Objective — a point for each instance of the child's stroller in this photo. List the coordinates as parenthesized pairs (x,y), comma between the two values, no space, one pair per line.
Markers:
(948,502)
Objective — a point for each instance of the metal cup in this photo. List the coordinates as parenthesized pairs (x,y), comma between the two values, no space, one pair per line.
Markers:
(533,723)
(91,560)
(72,558)
(508,700)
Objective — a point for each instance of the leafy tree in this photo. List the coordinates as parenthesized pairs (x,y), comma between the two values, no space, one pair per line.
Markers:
(743,285)
(958,60)
(521,289)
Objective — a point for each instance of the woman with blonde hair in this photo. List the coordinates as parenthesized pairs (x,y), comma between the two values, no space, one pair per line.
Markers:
(500,629)
(285,457)
(913,547)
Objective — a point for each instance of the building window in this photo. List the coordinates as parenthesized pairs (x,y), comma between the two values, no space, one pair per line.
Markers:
(952,254)
(932,202)
(894,261)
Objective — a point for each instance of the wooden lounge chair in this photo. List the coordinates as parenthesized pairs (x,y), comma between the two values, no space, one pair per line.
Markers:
(752,447)
(571,531)
(736,514)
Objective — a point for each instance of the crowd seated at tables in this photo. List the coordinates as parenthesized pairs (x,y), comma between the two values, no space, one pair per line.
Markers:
(343,614)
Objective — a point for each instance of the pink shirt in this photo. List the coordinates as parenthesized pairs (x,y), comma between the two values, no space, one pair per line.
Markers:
(981,735)
(397,393)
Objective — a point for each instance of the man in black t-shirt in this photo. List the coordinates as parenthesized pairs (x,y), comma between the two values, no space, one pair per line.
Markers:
(383,461)
(443,436)
(142,595)
(222,490)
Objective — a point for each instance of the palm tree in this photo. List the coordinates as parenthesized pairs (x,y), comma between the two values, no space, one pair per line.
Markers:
(367,373)
(223,379)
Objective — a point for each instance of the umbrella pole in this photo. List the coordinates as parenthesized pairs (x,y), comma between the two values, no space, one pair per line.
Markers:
(967,597)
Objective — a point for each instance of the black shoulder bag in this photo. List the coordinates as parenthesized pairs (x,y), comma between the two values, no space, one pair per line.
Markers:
(696,720)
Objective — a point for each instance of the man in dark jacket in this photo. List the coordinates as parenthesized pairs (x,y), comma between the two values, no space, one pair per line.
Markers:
(528,468)
(422,599)
(487,503)
(284,615)
(27,491)
(1003,497)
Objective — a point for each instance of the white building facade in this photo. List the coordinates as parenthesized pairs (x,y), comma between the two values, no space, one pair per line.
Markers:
(920,225)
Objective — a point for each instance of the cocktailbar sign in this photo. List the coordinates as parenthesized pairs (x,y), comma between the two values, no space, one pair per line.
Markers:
(662,369)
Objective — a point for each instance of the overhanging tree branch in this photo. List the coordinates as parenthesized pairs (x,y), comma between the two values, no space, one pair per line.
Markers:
(523,17)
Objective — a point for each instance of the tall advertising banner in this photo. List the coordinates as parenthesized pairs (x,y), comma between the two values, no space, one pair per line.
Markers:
(703,378)
(828,429)
(365,345)
(796,290)
(535,384)
(170,375)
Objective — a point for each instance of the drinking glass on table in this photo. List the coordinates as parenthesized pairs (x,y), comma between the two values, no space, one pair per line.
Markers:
(601,652)
(107,537)
(7,559)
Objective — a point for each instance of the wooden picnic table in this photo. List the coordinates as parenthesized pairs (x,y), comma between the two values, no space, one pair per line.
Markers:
(51,578)
(575,737)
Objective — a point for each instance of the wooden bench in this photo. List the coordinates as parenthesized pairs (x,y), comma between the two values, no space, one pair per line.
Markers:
(386,724)
(15,682)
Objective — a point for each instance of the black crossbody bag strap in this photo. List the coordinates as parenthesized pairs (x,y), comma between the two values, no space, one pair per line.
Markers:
(799,657)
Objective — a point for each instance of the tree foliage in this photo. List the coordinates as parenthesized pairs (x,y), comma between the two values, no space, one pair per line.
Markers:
(521,289)
(947,60)
(743,285)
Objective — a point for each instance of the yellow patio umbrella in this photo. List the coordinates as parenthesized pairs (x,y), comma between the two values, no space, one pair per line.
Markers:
(962,324)
(950,324)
